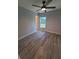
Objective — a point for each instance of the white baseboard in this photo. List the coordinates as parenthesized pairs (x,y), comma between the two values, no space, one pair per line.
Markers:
(25,35)
(54,32)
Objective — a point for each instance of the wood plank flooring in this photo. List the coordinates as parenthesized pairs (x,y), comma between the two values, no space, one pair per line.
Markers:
(40,45)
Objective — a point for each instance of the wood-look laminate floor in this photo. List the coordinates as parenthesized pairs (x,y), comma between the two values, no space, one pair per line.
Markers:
(40,45)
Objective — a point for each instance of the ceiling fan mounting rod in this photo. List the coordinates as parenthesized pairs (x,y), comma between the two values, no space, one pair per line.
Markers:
(43,2)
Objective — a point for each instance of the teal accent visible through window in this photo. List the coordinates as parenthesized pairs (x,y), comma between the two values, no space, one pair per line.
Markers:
(42,22)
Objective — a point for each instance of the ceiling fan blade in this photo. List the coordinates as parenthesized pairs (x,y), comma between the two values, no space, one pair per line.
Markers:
(36,6)
(50,7)
(47,2)
(36,10)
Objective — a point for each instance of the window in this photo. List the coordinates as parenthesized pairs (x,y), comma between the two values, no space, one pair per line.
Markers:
(43,22)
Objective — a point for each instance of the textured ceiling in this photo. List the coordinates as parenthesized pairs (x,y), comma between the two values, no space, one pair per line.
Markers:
(28,4)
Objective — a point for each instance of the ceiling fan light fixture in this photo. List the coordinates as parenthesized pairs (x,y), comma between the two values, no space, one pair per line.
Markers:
(43,9)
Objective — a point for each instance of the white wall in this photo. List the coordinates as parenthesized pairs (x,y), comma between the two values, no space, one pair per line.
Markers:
(26,22)
(53,21)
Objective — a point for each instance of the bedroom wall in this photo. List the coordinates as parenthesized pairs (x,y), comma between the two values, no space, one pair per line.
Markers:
(53,21)
(26,22)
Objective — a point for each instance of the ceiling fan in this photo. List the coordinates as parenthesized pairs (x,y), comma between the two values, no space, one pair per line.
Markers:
(44,6)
